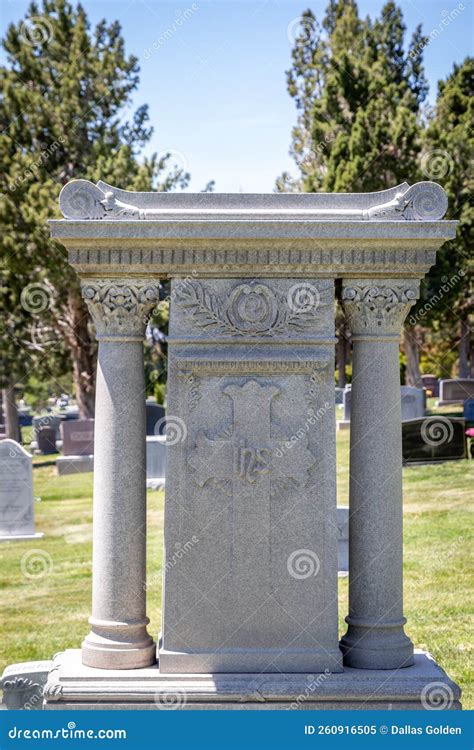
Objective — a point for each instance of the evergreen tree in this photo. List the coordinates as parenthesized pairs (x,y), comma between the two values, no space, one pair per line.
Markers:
(447,157)
(65,91)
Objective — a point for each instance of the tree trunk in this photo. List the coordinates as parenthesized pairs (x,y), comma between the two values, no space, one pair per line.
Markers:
(83,349)
(342,356)
(412,354)
(12,423)
(464,349)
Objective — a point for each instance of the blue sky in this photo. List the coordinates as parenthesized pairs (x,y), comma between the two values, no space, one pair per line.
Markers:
(215,82)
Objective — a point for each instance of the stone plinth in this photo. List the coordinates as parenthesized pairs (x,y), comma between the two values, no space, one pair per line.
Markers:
(423,686)
(250,575)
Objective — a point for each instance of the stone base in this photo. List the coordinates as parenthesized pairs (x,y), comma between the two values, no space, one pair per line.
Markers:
(343,424)
(71,685)
(20,537)
(23,685)
(74,464)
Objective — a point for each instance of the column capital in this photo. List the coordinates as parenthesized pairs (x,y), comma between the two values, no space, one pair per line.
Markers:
(120,308)
(377,308)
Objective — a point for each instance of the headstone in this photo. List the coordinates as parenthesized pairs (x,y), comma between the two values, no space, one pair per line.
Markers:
(345,422)
(343,542)
(338,395)
(46,440)
(431,384)
(155,461)
(47,420)
(16,493)
(78,437)
(155,418)
(456,390)
(435,438)
(413,402)
(469,410)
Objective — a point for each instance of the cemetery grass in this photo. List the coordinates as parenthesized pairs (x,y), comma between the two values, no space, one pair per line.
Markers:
(45,598)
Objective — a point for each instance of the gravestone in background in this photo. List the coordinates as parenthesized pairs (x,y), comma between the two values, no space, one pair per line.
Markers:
(413,402)
(47,420)
(431,383)
(345,422)
(16,493)
(338,395)
(155,414)
(78,437)
(434,439)
(155,461)
(46,440)
(455,390)
(77,448)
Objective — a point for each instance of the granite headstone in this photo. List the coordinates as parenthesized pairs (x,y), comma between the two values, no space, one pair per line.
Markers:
(456,390)
(435,438)
(16,492)
(78,437)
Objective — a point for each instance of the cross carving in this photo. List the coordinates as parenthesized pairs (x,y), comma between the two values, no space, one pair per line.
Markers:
(252,454)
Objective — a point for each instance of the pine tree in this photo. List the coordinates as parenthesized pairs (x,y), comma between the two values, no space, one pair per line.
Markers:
(65,91)
(447,157)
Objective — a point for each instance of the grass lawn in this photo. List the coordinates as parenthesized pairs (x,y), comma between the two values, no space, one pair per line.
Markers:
(43,614)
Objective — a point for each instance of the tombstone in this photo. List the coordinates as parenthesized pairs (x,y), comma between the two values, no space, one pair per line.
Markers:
(16,493)
(432,439)
(251,539)
(413,402)
(431,385)
(155,414)
(155,461)
(345,422)
(338,395)
(455,390)
(469,411)
(46,440)
(77,448)
(47,420)
(343,542)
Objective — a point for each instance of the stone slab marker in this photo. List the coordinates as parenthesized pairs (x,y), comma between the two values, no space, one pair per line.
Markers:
(17,519)
(250,584)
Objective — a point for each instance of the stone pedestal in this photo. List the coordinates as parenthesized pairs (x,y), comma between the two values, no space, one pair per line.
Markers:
(423,686)
(250,584)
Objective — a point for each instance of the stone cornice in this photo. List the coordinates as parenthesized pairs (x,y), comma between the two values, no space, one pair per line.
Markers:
(82,200)
(390,233)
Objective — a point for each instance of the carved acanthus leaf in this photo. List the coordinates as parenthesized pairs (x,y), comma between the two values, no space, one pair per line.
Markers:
(120,308)
(379,308)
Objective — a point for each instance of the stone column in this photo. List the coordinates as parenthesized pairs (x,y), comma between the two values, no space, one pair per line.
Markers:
(375,637)
(118,637)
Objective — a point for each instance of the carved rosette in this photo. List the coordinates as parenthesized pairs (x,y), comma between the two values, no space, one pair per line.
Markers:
(120,309)
(378,307)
